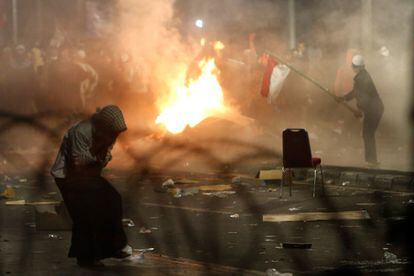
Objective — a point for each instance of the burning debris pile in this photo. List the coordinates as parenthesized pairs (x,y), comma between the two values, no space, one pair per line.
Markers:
(193,101)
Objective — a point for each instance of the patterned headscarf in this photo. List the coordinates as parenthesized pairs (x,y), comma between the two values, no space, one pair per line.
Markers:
(111,118)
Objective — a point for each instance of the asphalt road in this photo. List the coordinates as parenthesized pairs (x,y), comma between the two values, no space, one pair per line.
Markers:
(227,231)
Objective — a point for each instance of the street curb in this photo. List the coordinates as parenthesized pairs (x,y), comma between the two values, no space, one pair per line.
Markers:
(377,179)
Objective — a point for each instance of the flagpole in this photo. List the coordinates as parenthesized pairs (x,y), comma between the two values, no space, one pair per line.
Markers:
(324,89)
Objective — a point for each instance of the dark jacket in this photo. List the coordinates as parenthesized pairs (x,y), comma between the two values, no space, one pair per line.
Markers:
(365,93)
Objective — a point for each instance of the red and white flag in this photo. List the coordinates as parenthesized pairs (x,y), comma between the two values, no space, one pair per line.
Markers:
(273,79)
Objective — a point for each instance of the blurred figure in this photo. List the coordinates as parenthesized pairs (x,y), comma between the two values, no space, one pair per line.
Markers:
(5,69)
(64,81)
(344,121)
(370,103)
(21,80)
(93,204)
(89,80)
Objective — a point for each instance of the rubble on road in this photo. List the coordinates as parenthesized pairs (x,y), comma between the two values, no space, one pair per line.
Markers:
(8,193)
(316,216)
(128,222)
(222,194)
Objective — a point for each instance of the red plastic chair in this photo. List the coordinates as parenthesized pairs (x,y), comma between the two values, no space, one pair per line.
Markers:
(297,154)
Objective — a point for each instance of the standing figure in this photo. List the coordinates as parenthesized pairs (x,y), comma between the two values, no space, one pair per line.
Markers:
(93,204)
(370,104)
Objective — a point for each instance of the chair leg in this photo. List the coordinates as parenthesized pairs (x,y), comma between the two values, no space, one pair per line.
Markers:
(323,180)
(314,182)
(282,182)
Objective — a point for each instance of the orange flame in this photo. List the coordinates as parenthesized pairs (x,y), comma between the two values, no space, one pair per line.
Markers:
(218,45)
(192,103)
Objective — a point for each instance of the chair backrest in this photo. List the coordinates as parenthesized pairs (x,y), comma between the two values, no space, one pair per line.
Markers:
(296,148)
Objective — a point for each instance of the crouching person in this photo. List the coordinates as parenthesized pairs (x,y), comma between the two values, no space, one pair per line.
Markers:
(93,204)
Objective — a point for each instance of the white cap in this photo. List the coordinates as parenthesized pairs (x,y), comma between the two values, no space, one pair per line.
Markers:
(358,60)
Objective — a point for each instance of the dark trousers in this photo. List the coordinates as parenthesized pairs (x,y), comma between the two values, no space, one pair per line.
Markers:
(96,211)
(369,127)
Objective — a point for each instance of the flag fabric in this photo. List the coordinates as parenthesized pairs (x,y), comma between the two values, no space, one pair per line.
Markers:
(273,79)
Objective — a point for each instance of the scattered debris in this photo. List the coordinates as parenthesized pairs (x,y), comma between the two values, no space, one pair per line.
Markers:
(16,202)
(22,180)
(411,201)
(235,216)
(290,245)
(270,174)
(390,258)
(274,272)
(145,250)
(8,193)
(54,237)
(24,202)
(316,216)
(346,183)
(186,181)
(222,194)
(181,192)
(294,209)
(144,230)
(215,188)
(128,222)
(168,184)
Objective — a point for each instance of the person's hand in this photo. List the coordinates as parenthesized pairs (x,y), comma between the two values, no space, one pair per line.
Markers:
(358,114)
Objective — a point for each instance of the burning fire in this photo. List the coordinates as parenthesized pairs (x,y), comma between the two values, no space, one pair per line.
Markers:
(192,102)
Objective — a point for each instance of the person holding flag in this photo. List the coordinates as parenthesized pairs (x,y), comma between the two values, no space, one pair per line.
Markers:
(369,103)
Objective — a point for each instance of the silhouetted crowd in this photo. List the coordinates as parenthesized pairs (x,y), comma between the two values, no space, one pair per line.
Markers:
(65,79)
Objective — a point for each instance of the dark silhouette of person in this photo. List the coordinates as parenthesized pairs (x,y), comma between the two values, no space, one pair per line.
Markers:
(93,204)
(370,104)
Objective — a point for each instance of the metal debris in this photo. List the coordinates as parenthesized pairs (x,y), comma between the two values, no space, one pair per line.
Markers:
(144,230)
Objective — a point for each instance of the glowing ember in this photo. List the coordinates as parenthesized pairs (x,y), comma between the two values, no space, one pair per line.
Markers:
(192,103)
